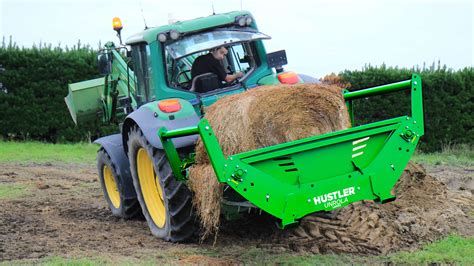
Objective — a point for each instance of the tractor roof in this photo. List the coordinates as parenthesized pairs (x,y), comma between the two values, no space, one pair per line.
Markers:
(149,35)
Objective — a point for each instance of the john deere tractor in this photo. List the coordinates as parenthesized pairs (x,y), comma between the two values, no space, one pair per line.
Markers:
(147,89)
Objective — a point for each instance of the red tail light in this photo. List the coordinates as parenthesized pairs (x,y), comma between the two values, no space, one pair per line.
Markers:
(288,78)
(169,106)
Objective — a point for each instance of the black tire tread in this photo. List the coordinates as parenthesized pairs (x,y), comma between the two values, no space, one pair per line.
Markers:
(129,207)
(180,225)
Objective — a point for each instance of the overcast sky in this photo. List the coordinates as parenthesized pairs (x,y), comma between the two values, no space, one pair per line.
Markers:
(319,36)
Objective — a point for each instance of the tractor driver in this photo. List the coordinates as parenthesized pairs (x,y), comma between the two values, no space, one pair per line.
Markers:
(210,63)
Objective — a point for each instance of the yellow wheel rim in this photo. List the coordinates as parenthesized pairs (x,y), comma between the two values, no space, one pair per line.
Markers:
(111,186)
(151,188)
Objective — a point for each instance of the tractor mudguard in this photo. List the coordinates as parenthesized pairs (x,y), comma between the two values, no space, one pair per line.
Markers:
(113,146)
(150,119)
(319,173)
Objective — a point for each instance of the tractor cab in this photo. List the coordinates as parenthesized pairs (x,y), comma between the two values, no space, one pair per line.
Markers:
(163,58)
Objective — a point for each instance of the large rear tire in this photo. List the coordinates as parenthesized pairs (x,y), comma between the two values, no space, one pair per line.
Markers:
(112,187)
(166,202)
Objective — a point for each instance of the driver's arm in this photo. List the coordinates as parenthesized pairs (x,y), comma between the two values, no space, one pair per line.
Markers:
(230,78)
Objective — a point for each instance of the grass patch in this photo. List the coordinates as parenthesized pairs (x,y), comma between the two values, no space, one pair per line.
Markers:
(151,257)
(59,261)
(255,256)
(11,191)
(45,152)
(452,249)
(453,155)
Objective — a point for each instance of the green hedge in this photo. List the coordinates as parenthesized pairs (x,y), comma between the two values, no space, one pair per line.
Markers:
(35,83)
(448,98)
(36,79)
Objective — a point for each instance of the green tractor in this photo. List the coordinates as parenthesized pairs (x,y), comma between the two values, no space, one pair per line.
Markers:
(148,90)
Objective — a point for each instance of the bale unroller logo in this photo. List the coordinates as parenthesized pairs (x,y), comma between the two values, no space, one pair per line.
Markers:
(334,199)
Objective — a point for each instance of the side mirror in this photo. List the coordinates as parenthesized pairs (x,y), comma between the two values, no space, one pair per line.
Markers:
(277,60)
(104,61)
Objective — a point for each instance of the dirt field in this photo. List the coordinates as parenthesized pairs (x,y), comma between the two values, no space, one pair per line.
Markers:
(62,212)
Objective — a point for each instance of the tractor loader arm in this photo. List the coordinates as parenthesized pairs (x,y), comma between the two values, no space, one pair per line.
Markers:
(320,173)
(106,96)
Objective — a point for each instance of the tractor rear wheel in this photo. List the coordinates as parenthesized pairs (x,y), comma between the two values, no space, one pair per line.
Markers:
(112,187)
(166,202)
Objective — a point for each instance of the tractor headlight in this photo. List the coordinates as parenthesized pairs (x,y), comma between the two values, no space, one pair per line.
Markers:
(241,21)
(174,35)
(162,37)
(248,21)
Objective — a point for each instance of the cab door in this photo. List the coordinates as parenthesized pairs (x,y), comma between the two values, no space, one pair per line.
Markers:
(142,69)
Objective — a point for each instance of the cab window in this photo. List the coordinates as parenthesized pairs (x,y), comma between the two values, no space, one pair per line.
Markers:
(143,71)
(240,58)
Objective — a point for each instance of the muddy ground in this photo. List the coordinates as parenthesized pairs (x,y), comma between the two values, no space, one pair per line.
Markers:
(62,213)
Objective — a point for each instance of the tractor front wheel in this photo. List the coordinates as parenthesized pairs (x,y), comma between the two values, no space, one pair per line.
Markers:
(166,202)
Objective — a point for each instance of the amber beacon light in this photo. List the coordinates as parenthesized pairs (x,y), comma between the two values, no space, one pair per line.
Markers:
(117,25)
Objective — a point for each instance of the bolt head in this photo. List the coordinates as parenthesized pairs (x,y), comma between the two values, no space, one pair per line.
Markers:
(239,173)
(267,196)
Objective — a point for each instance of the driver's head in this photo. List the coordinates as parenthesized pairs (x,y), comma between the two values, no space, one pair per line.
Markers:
(219,53)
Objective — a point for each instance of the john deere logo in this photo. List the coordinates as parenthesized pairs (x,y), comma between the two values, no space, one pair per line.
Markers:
(334,199)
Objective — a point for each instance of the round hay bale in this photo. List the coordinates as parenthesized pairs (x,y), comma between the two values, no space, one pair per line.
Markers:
(270,115)
(257,118)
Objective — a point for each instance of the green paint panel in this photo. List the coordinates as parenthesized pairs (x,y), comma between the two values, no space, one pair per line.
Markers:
(187,110)
(271,79)
(327,161)
(150,35)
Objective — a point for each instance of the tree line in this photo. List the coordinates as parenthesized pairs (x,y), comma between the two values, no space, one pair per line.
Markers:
(36,79)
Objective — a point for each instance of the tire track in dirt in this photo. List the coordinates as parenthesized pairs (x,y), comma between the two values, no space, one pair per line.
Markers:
(64,213)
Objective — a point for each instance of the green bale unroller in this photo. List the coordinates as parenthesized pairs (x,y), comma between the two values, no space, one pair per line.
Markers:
(147,88)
